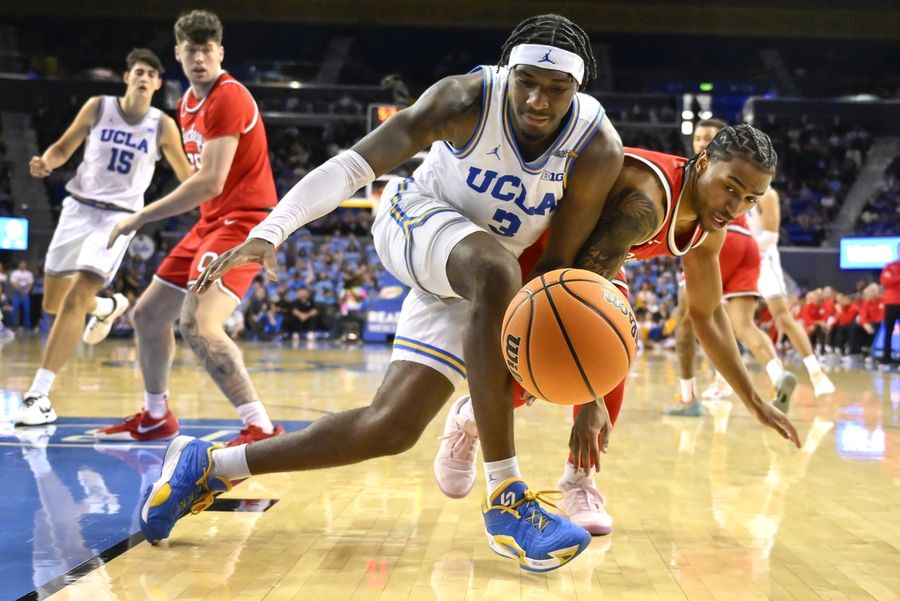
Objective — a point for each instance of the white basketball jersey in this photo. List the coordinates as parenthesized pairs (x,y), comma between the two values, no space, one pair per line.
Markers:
(754,220)
(491,184)
(119,157)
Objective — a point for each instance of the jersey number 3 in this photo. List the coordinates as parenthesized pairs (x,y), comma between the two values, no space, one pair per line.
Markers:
(120,161)
(507,223)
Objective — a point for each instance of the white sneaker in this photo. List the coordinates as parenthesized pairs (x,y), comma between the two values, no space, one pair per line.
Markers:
(584,505)
(98,328)
(454,465)
(822,384)
(35,411)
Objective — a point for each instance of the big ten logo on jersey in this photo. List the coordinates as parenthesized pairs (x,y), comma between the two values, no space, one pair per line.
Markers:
(193,146)
(121,159)
(508,188)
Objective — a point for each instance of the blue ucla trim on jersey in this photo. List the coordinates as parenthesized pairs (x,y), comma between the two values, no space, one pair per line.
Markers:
(586,137)
(409,223)
(433,352)
(487,89)
(538,165)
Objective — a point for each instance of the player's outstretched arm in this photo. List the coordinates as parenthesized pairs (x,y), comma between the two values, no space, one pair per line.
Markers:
(448,111)
(60,151)
(704,282)
(173,151)
(591,178)
(208,182)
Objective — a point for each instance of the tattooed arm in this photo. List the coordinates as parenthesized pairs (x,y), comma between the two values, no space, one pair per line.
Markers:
(631,215)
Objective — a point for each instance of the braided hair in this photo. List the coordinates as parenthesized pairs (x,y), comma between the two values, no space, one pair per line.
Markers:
(745,141)
(553,30)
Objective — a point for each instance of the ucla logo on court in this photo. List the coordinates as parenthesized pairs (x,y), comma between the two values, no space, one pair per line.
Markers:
(508,188)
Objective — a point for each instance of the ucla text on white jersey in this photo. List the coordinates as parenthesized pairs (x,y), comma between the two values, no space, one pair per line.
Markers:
(491,184)
(119,158)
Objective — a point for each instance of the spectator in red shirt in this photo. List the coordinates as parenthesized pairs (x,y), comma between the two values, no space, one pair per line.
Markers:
(843,324)
(812,315)
(890,281)
(871,314)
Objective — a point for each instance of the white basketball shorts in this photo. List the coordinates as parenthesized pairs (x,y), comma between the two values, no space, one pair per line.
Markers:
(79,242)
(414,235)
(771,277)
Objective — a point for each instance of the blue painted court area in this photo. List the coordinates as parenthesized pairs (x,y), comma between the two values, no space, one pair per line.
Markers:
(71,504)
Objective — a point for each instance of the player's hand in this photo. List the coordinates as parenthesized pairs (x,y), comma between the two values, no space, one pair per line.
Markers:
(38,167)
(125,227)
(592,425)
(254,250)
(778,421)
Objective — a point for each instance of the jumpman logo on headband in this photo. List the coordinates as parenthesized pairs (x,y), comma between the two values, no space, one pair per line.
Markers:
(495,152)
(546,58)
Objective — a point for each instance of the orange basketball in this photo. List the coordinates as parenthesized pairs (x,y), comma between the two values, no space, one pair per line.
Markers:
(569,336)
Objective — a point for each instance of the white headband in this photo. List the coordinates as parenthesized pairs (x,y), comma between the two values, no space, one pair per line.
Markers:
(548,57)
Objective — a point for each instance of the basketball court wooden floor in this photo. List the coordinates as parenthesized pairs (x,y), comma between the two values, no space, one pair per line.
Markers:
(704,508)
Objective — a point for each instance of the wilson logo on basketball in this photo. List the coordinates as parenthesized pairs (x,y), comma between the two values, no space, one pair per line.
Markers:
(623,308)
(512,355)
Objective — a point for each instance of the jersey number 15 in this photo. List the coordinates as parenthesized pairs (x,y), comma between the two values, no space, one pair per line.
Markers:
(120,161)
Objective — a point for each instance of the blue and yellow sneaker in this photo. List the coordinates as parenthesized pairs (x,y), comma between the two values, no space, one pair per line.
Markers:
(184,486)
(518,527)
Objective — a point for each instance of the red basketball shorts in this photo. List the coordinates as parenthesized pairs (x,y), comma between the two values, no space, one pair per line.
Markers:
(206,241)
(739,263)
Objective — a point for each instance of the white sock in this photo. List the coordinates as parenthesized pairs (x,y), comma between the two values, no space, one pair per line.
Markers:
(230,463)
(573,475)
(497,472)
(689,390)
(812,364)
(105,306)
(254,414)
(157,405)
(43,381)
(774,368)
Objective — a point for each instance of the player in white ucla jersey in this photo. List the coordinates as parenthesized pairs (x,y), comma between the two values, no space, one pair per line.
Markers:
(765,223)
(514,149)
(123,138)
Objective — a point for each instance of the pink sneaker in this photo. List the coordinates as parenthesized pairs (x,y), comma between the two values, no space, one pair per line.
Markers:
(454,465)
(141,426)
(583,504)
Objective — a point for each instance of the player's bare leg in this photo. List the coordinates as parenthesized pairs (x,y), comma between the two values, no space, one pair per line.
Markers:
(65,335)
(71,299)
(409,397)
(686,349)
(202,325)
(483,272)
(791,328)
(154,323)
(740,311)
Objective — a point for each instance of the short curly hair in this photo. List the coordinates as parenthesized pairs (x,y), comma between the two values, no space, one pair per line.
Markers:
(198,27)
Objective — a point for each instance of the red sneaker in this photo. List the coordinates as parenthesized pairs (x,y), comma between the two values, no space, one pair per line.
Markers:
(141,426)
(253,433)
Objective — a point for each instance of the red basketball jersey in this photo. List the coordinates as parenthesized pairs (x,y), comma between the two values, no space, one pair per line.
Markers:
(670,171)
(229,109)
(740,225)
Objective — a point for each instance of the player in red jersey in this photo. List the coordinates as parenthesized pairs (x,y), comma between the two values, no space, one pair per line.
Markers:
(225,140)
(739,262)
(660,205)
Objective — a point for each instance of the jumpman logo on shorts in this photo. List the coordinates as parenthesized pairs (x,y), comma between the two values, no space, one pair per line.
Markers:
(495,152)
(546,58)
